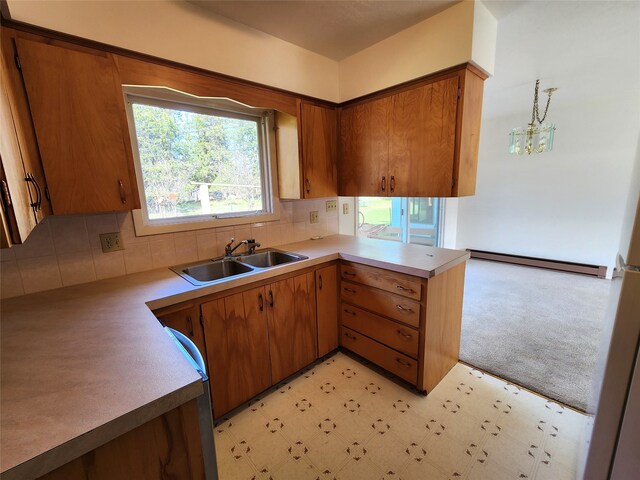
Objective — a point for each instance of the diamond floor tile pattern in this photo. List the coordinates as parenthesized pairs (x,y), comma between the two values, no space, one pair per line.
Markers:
(341,420)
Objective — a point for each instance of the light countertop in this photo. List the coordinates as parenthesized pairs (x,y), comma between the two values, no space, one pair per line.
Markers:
(84,364)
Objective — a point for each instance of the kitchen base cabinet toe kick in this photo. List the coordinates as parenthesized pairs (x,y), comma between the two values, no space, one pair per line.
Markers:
(407,325)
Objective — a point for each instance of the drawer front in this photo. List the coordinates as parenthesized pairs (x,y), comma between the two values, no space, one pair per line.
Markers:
(395,362)
(393,282)
(392,306)
(388,332)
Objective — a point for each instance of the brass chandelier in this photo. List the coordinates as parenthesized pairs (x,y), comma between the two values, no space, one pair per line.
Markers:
(535,137)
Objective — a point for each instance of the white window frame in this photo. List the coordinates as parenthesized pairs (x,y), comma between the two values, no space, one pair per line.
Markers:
(169,98)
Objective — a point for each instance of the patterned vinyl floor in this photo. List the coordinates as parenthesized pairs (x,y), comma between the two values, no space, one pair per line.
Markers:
(343,420)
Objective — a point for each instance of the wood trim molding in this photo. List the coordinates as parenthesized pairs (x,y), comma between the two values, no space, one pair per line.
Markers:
(423,80)
(83,42)
(599,271)
(65,37)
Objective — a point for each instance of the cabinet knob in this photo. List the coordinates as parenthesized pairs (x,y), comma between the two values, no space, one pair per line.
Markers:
(404,309)
(350,312)
(320,282)
(403,363)
(270,298)
(308,184)
(350,291)
(383,183)
(350,337)
(392,183)
(405,289)
(260,302)
(349,274)
(123,193)
(405,336)
(190,326)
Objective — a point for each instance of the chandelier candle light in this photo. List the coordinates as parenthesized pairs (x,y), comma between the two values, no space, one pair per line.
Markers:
(535,137)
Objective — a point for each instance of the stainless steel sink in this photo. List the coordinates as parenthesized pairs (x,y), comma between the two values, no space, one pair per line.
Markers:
(202,273)
(270,258)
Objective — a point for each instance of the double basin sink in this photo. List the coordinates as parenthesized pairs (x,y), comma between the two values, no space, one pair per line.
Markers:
(209,271)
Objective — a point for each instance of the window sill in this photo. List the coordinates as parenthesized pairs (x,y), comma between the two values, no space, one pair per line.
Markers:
(144,228)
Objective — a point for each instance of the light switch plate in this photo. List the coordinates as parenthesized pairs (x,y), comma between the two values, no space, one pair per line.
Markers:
(111,242)
(313,217)
(345,209)
(332,205)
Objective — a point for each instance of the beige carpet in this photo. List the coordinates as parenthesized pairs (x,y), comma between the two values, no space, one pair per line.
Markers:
(535,327)
(343,421)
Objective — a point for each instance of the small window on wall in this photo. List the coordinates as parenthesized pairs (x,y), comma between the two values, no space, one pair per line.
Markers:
(400,219)
(199,163)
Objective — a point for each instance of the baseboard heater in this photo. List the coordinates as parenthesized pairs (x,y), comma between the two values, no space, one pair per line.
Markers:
(585,269)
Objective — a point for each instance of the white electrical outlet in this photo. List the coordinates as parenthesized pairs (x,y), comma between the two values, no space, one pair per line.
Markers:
(313,217)
(345,209)
(332,205)
(111,242)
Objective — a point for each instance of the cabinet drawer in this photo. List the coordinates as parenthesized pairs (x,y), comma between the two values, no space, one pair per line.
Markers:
(392,306)
(388,332)
(395,362)
(393,282)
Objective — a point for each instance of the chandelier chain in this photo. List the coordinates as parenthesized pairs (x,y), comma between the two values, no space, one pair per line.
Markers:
(535,115)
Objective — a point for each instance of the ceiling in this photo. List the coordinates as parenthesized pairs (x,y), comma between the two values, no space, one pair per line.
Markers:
(334,29)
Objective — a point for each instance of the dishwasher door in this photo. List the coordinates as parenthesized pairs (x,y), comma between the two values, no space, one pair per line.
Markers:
(205,414)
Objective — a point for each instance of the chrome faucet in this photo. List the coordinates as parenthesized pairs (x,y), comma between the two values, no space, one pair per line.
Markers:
(250,243)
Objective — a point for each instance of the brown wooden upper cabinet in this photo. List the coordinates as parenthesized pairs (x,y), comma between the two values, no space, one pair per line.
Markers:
(307,152)
(77,106)
(23,187)
(418,141)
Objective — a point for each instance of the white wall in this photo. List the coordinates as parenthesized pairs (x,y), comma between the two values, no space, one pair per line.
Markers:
(463,32)
(567,204)
(185,33)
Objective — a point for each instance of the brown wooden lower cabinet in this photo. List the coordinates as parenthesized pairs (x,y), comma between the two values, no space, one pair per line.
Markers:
(259,336)
(292,325)
(166,447)
(187,321)
(327,309)
(237,340)
(417,341)
(389,359)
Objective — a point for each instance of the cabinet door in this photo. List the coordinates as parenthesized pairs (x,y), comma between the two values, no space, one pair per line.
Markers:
(186,321)
(327,309)
(292,325)
(422,140)
(17,211)
(364,149)
(78,112)
(237,340)
(318,136)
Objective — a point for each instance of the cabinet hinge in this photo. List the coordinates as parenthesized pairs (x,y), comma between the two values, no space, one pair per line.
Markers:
(17,60)
(6,195)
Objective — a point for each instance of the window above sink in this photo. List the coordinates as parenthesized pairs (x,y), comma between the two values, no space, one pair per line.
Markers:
(200,162)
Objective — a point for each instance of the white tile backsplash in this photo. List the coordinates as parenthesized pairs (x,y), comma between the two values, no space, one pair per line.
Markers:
(39,273)
(77,267)
(65,250)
